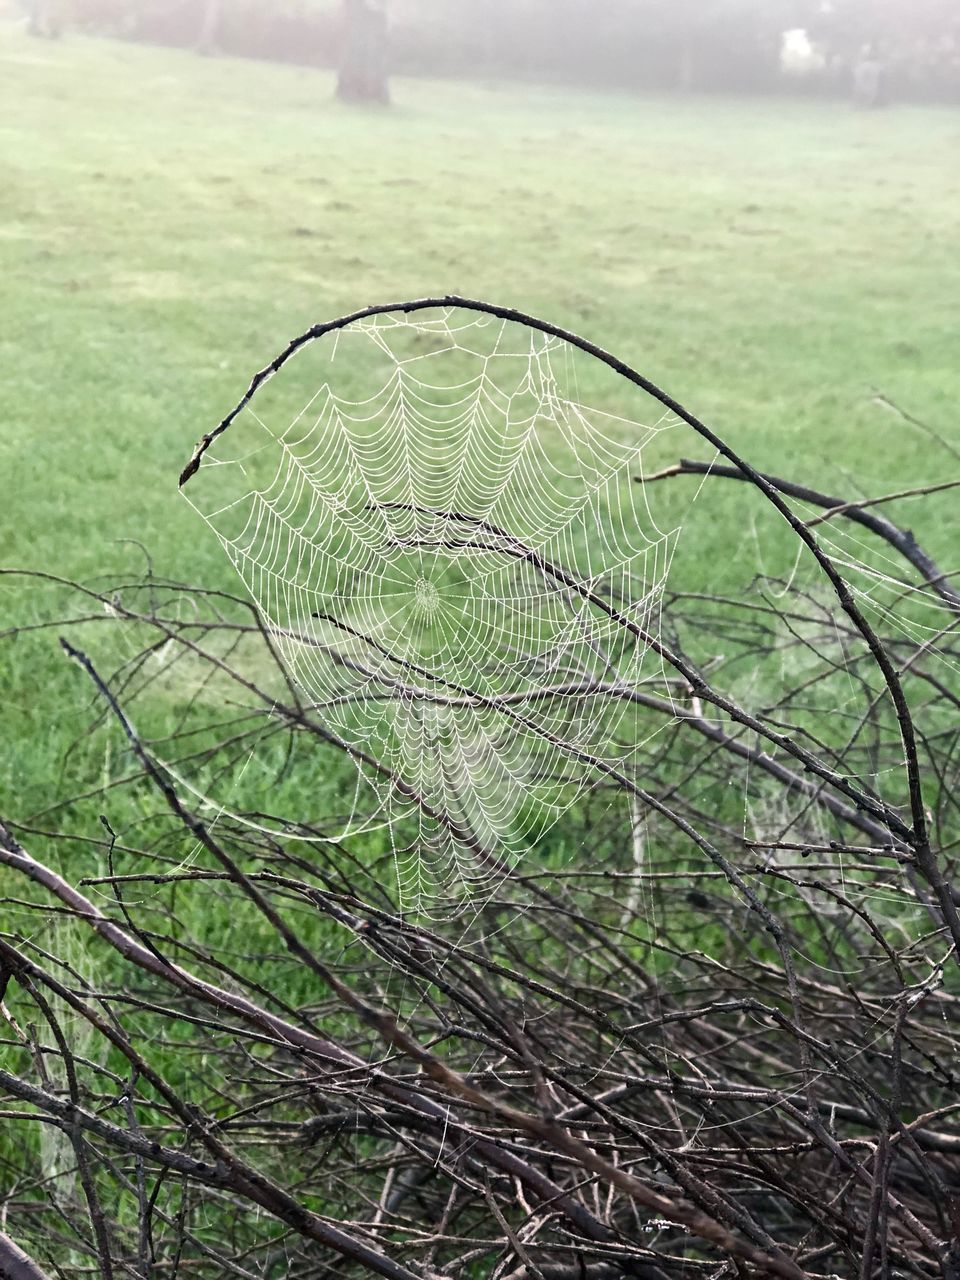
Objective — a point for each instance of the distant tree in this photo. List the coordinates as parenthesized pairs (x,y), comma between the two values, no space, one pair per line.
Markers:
(719,43)
(849,25)
(363,55)
(915,44)
(868,81)
(705,45)
(45,18)
(207,42)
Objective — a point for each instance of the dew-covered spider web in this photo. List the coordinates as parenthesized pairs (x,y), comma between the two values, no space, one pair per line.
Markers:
(461,570)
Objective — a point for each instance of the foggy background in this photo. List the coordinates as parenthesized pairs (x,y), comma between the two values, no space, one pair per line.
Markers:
(752,45)
(757,199)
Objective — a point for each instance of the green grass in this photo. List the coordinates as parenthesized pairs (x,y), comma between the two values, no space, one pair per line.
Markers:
(167,222)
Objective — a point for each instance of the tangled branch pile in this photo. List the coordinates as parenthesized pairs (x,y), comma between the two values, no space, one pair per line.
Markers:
(715,1040)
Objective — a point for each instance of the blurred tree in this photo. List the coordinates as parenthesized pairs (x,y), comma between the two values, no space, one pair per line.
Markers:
(207,42)
(650,44)
(720,43)
(45,18)
(654,43)
(850,24)
(916,43)
(363,54)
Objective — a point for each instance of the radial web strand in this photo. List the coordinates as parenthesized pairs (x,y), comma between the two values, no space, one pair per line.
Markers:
(460,570)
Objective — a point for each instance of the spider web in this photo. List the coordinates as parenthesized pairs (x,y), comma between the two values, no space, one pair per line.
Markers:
(460,571)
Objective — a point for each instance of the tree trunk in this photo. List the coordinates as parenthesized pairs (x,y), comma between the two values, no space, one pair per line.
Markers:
(363,55)
(210,28)
(686,70)
(45,18)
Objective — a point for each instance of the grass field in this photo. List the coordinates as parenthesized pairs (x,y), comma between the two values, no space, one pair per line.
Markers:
(167,222)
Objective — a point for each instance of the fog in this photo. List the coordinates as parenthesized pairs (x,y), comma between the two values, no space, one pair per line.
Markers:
(768,46)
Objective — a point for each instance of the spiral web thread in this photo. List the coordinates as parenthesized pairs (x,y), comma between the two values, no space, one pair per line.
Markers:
(461,571)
